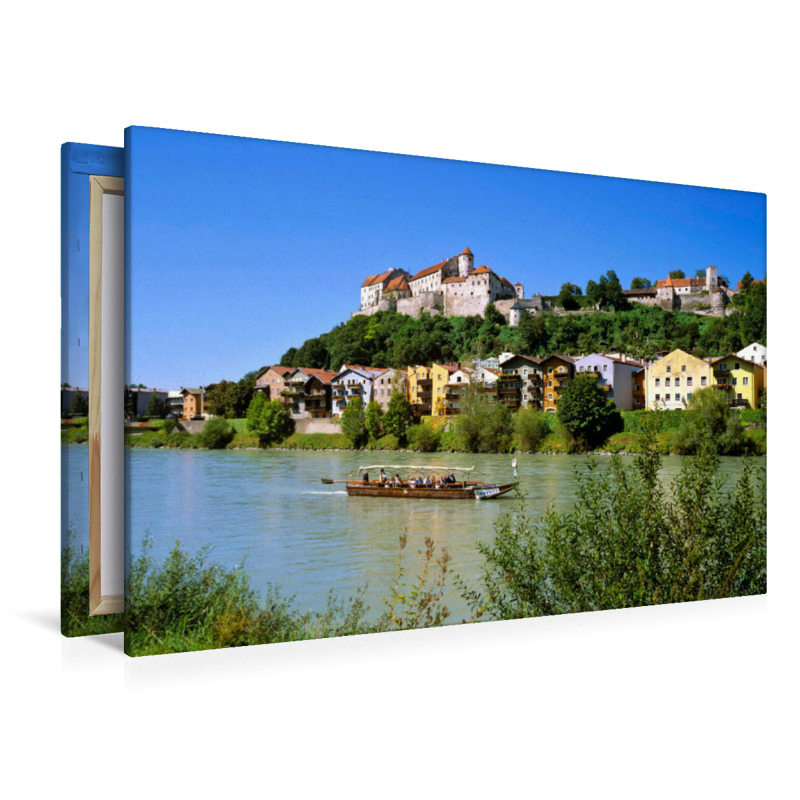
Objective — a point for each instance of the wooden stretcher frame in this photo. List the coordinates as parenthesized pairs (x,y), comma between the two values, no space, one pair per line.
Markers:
(98,187)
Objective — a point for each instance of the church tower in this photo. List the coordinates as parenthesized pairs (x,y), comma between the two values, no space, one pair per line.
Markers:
(466,263)
(711,279)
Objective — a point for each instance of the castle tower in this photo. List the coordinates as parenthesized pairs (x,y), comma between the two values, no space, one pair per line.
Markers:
(520,290)
(711,279)
(466,263)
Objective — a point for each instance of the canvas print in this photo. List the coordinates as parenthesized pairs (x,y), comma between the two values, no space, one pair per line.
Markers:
(83,610)
(368,392)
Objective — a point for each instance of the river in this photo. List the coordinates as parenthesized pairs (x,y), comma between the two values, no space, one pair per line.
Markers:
(270,508)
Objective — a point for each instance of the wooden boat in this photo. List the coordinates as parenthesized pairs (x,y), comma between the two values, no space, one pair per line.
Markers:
(408,490)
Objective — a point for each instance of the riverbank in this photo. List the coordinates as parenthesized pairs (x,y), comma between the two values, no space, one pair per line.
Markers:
(554,441)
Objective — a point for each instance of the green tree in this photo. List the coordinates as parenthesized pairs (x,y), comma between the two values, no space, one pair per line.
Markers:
(593,292)
(373,420)
(483,426)
(354,424)
(270,420)
(566,297)
(398,417)
(532,333)
(611,294)
(157,407)
(529,430)
(677,274)
(217,433)
(424,438)
(79,407)
(630,541)
(641,283)
(709,418)
(753,322)
(585,412)
(493,316)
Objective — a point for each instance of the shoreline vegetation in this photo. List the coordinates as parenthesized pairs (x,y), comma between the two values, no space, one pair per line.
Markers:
(531,432)
(631,540)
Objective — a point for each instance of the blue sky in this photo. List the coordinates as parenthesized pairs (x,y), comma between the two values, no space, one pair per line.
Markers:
(242,248)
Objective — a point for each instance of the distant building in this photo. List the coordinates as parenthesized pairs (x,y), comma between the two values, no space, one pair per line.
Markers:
(193,403)
(352,381)
(453,287)
(557,370)
(741,381)
(673,379)
(614,376)
(137,399)
(529,372)
(754,352)
(386,383)
(271,381)
(307,392)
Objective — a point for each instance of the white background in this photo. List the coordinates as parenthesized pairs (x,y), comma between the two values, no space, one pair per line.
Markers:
(695,701)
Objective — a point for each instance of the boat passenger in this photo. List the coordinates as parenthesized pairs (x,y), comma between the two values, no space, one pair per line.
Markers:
(366,478)
(383,476)
(397,480)
(452,477)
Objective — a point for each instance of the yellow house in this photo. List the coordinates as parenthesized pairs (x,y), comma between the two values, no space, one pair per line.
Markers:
(672,380)
(427,389)
(442,398)
(418,386)
(742,381)
(193,405)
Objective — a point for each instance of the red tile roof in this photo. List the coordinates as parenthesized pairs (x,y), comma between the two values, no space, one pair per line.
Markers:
(372,280)
(506,283)
(325,375)
(430,270)
(398,284)
(482,270)
(467,252)
(682,282)
(454,279)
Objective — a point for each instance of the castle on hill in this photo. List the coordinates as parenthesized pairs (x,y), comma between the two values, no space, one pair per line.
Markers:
(453,287)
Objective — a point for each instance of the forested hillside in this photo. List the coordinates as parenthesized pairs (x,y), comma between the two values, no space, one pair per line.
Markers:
(388,339)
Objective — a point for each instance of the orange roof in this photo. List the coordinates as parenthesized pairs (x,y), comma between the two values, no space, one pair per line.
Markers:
(454,279)
(681,282)
(467,252)
(430,270)
(507,283)
(484,270)
(398,284)
(325,375)
(371,280)
(448,367)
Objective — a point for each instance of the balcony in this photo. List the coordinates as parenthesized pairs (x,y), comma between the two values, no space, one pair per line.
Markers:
(426,395)
(338,389)
(722,373)
(425,383)
(292,393)
(356,388)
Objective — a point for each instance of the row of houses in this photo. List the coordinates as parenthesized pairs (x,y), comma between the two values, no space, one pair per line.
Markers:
(520,381)
(517,381)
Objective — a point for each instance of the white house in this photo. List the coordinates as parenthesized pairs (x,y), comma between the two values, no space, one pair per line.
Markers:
(755,352)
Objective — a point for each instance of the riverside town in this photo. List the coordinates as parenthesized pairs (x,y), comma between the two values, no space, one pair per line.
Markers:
(619,433)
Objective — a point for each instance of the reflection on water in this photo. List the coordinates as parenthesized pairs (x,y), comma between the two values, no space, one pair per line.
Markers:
(270,508)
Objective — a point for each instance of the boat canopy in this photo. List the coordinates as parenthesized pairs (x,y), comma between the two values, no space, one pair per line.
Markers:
(415,466)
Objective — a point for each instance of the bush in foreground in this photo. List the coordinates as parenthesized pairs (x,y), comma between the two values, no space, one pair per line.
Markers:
(630,541)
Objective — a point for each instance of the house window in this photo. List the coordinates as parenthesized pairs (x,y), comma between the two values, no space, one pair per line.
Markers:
(737,365)
(677,397)
(688,381)
(739,396)
(703,381)
(677,381)
(658,397)
(658,382)
(745,381)
(669,368)
(666,397)
(605,367)
(683,368)
(550,371)
(666,382)
(549,396)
